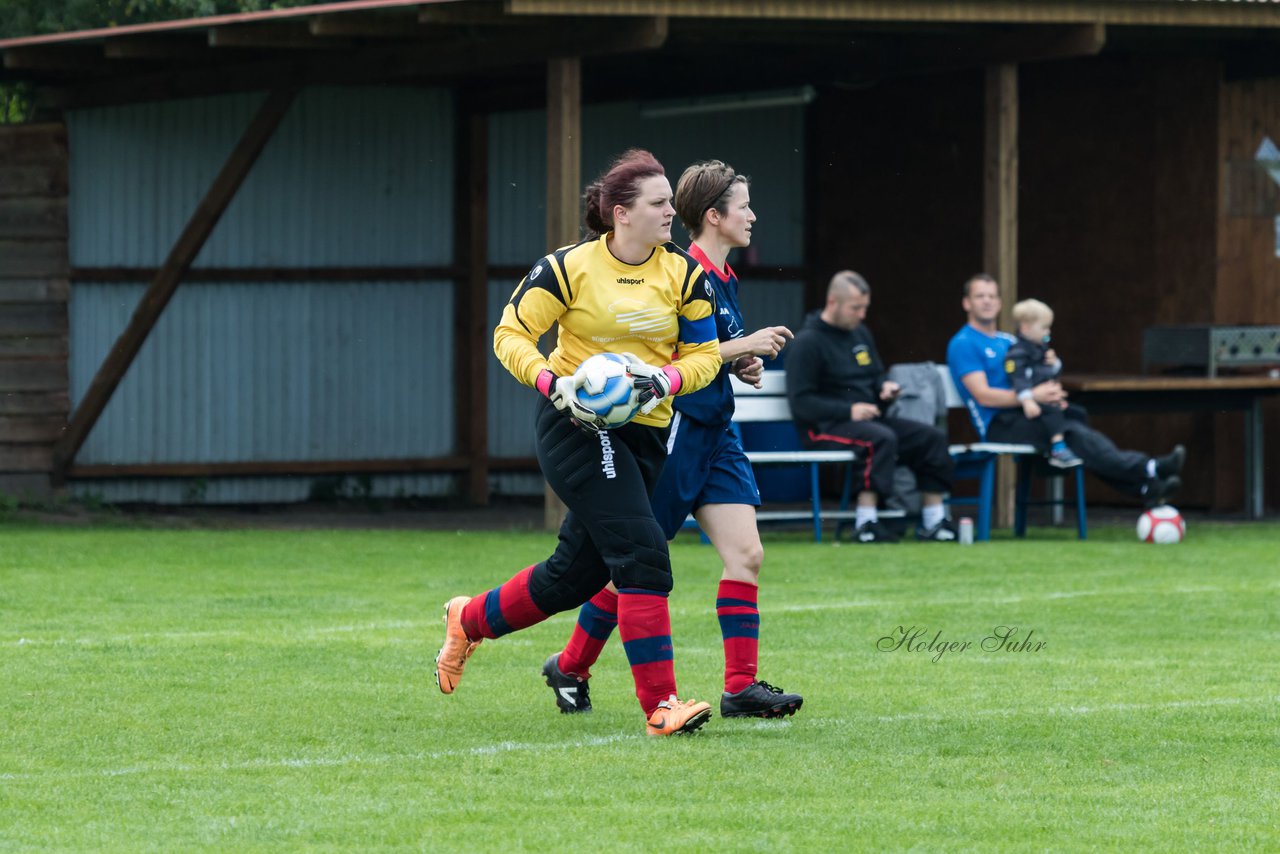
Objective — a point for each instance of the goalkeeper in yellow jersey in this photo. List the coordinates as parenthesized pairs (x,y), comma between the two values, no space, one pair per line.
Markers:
(626,289)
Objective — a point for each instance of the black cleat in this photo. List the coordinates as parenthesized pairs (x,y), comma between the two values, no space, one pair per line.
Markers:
(874,532)
(572,694)
(943,532)
(759,700)
(1171,463)
(1159,490)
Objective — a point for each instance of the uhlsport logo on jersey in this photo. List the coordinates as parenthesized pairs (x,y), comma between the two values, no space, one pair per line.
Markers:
(641,319)
(623,280)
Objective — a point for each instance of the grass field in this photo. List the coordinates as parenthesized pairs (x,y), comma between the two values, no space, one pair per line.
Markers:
(166,690)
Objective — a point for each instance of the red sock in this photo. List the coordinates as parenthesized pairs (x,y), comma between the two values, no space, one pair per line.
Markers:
(740,625)
(644,624)
(596,622)
(502,610)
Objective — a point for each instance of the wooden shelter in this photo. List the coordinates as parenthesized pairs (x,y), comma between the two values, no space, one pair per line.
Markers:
(1100,155)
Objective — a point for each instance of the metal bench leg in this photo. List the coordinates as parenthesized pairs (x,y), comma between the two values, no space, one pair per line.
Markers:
(817,502)
(1081,524)
(845,495)
(986,494)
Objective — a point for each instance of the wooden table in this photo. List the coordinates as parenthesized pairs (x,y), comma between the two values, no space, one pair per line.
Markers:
(1103,393)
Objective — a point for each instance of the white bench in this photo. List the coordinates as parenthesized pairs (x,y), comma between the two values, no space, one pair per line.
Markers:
(976,460)
(768,404)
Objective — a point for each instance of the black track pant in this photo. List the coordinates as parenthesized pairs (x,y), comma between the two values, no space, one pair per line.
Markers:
(1124,470)
(886,443)
(609,534)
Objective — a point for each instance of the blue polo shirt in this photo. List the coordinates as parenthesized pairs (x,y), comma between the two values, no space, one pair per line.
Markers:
(713,404)
(972,350)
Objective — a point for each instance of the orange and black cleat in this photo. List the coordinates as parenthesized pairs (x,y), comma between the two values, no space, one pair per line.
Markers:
(675,716)
(457,646)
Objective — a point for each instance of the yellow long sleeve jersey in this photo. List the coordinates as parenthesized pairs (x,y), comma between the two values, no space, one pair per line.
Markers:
(660,310)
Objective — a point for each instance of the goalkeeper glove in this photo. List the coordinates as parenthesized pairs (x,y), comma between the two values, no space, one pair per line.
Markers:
(563,394)
(653,383)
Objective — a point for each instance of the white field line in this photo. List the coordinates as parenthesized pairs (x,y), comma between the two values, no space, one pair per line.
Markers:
(219,634)
(1068,711)
(433,623)
(327,761)
(600,741)
(852,604)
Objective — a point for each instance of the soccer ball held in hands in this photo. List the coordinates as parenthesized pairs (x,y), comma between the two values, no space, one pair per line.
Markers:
(606,388)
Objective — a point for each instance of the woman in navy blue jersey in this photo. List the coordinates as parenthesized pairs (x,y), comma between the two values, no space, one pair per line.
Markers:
(706,472)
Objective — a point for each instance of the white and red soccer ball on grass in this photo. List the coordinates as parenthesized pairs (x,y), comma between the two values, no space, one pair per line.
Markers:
(1163,524)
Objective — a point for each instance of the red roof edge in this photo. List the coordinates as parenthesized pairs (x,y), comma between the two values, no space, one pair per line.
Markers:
(212,21)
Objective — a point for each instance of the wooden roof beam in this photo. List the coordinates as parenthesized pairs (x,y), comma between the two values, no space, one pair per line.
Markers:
(69,58)
(275,35)
(447,61)
(476,12)
(1022,44)
(367,25)
(159,47)
(1118,12)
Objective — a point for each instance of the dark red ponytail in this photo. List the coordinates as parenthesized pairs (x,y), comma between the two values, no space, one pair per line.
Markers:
(619,185)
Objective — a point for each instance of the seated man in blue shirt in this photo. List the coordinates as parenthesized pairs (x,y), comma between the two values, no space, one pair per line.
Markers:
(976,357)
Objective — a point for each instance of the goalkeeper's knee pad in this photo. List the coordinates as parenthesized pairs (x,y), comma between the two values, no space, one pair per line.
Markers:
(639,556)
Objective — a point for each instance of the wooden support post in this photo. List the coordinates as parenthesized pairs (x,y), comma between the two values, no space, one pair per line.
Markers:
(162,287)
(470,304)
(564,157)
(1000,225)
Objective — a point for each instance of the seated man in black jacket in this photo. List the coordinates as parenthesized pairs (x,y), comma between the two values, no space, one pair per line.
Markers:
(836,384)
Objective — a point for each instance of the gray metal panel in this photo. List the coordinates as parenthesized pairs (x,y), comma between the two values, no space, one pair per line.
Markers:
(511,403)
(269,371)
(766,144)
(353,176)
(767,302)
(517,483)
(517,187)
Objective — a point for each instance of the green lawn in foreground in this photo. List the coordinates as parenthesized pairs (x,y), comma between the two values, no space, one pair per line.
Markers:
(264,690)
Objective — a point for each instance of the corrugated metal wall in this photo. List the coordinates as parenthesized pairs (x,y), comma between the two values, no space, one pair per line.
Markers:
(270,371)
(766,144)
(352,177)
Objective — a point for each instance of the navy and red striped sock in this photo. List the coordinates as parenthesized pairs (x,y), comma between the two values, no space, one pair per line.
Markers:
(644,624)
(596,621)
(502,610)
(740,625)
